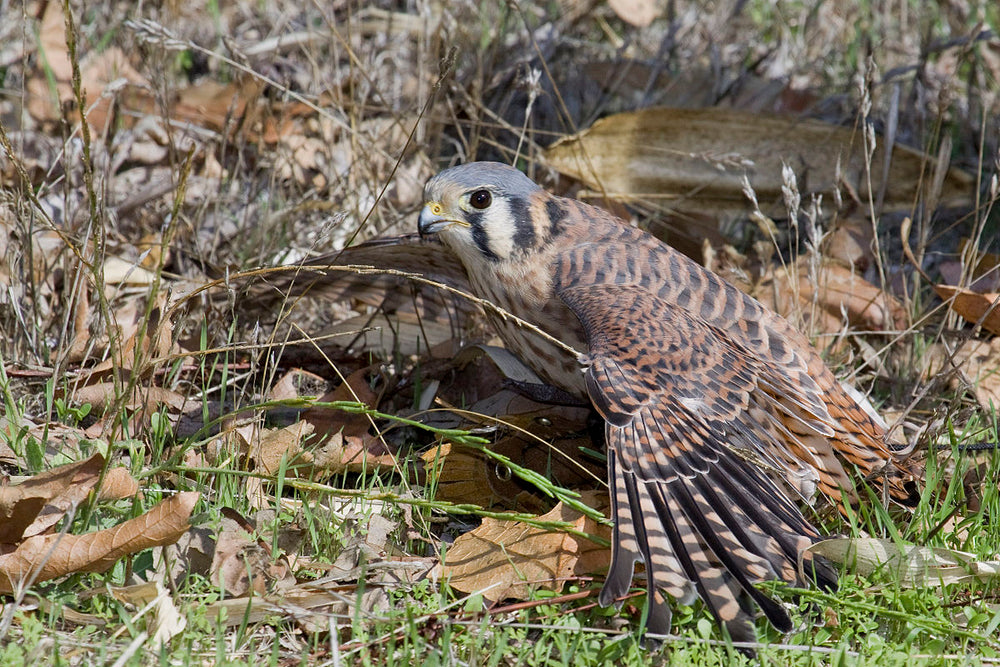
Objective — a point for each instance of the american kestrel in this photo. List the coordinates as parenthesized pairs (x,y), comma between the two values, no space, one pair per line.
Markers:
(718,412)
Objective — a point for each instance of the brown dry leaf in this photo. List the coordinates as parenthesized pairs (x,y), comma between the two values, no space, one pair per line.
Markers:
(699,156)
(304,159)
(850,242)
(71,487)
(972,306)
(297,383)
(639,13)
(338,454)
(274,444)
(109,69)
(153,342)
(264,449)
(217,106)
(288,121)
(46,557)
(126,325)
(239,564)
(349,445)
(152,252)
(52,44)
(355,388)
(464,475)
(166,621)
(144,402)
(229,556)
(118,271)
(191,554)
(99,396)
(153,339)
(75,617)
(52,48)
(232,612)
(840,291)
(508,559)
(118,484)
(792,292)
(80,344)
(41,501)
(234,443)
(368,538)
(97,72)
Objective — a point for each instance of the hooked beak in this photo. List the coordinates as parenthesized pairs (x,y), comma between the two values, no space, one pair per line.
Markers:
(430,221)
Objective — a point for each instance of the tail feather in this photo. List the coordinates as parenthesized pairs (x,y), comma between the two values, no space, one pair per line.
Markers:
(725,579)
(715,534)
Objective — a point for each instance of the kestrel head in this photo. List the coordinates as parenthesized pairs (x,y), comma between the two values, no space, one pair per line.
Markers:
(482,210)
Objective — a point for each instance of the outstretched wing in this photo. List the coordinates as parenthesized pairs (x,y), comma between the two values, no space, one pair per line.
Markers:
(690,426)
(409,313)
(405,254)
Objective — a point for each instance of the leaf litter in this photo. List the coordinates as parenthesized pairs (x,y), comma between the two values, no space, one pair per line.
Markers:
(134,354)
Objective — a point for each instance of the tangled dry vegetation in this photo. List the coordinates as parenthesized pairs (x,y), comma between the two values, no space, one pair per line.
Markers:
(335,428)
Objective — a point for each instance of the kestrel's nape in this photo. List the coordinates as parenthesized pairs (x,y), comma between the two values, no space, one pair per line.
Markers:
(706,394)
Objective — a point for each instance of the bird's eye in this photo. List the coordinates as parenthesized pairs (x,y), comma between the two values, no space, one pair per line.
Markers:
(481,199)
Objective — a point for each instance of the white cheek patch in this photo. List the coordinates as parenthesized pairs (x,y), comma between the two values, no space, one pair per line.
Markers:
(500,228)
